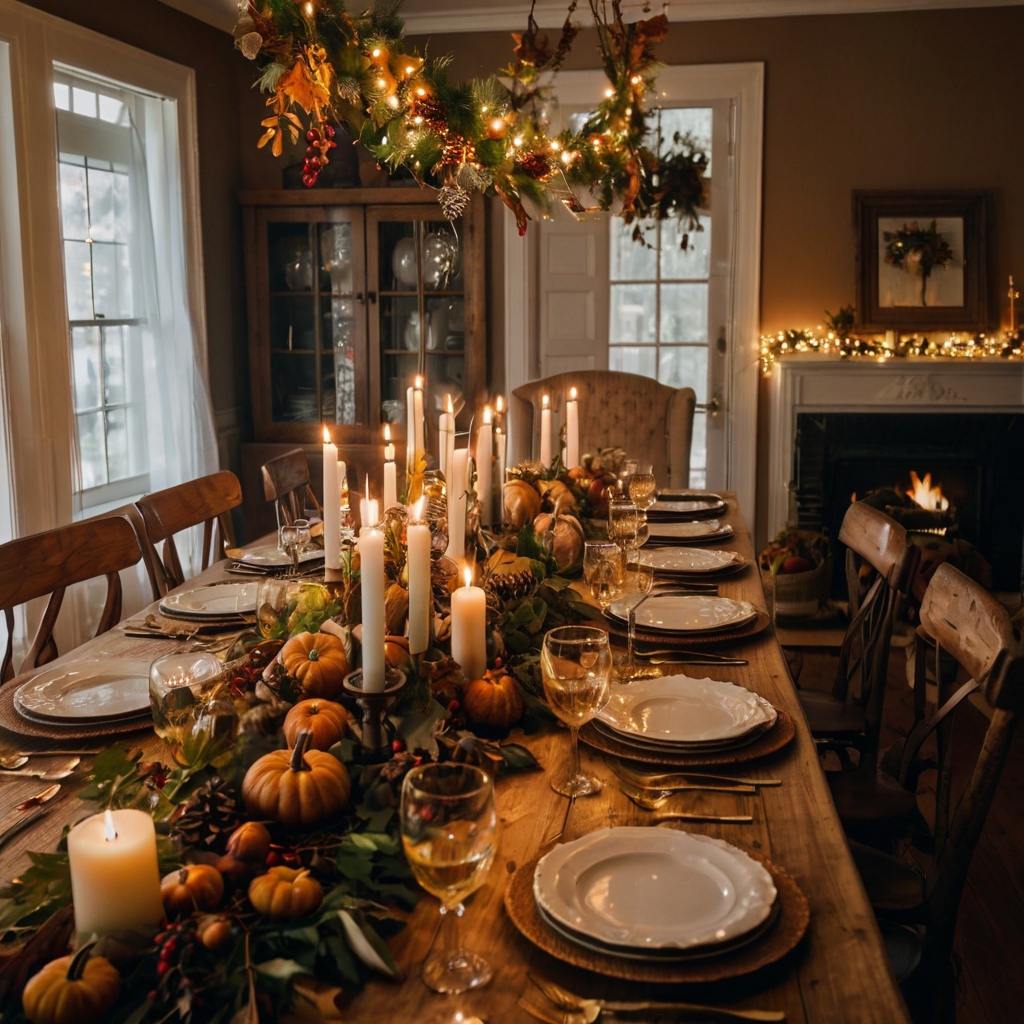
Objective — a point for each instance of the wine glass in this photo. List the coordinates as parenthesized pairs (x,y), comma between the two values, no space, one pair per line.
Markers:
(602,571)
(642,486)
(639,583)
(623,523)
(449,833)
(576,666)
(293,539)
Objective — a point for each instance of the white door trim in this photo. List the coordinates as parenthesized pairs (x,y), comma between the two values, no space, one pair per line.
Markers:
(743,84)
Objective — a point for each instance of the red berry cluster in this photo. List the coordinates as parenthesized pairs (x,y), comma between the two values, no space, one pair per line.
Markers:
(175,946)
(316,153)
(244,680)
(278,856)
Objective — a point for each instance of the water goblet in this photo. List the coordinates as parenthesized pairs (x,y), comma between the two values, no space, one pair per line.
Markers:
(639,583)
(293,539)
(449,833)
(623,523)
(576,668)
(602,571)
(642,486)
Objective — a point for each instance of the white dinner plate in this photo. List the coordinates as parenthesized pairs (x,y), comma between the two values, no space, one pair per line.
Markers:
(703,529)
(86,690)
(649,888)
(681,709)
(689,560)
(684,613)
(667,494)
(272,557)
(693,506)
(212,602)
(646,747)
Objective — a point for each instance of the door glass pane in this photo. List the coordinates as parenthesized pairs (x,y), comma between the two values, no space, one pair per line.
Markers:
(627,359)
(630,260)
(290,258)
(336,258)
(291,323)
(684,312)
(633,313)
(293,387)
(694,261)
(684,366)
(399,259)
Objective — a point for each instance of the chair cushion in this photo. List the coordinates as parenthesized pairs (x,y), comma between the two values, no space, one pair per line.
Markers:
(827,716)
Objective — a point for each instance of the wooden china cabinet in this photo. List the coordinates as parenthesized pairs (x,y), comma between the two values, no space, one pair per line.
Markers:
(351,294)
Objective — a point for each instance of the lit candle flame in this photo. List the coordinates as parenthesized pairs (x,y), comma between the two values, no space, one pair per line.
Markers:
(545,401)
(467,575)
(387,431)
(108,826)
(487,414)
(327,435)
(499,404)
(572,394)
(419,383)
(448,405)
(417,510)
(367,486)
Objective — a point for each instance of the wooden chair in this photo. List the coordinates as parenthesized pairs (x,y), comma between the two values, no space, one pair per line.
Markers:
(207,501)
(286,481)
(651,421)
(48,563)
(851,716)
(959,617)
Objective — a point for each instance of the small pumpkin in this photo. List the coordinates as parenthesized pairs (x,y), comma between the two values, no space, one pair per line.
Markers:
(193,887)
(238,873)
(283,894)
(521,503)
(396,652)
(396,608)
(214,932)
(318,661)
(557,495)
(75,989)
(298,788)
(250,842)
(493,700)
(567,537)
(323,719)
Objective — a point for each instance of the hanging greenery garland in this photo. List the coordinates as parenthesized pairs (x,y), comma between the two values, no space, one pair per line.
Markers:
(322,66)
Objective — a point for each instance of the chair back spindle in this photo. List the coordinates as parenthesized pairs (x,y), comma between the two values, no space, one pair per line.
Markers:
(286,482)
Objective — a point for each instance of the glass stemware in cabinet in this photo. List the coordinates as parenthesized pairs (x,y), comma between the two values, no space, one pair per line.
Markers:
(449,833)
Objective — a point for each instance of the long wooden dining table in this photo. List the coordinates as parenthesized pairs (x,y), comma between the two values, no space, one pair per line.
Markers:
(838,973)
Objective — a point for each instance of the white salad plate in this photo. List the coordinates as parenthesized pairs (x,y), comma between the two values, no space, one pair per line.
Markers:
(212,602)
(688,560)
(703,529)
(684,613)
(681,709)
(648,888)
(272,557)
(666,507)
(94,690)
(643,745)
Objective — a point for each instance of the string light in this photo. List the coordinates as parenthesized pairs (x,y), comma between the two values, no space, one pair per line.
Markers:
(376,53)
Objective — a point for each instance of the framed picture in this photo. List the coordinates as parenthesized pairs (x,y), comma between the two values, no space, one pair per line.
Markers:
(921,260)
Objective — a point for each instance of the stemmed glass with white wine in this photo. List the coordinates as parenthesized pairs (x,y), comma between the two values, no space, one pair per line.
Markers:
(602,571)
(642,487)
(576,667)
(293,540)
(449,832)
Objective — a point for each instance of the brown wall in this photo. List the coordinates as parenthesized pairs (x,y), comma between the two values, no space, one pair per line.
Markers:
(161,30)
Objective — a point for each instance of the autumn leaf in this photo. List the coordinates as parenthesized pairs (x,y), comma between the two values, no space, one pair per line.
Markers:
(302,88)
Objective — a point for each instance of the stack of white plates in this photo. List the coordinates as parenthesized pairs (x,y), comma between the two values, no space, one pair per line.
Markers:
(697,531)
(222,603)
(86,693)
(679,714)
(670,506)
(270,556)
(653,894)
(688,562)
(693,614)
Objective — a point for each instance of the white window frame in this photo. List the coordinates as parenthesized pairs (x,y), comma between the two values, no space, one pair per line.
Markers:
(689,84)
(36,356)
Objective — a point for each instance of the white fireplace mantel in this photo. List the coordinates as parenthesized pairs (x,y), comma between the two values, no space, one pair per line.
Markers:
(815,383)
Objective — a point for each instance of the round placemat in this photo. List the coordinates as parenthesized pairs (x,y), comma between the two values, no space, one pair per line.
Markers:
(725,636)
(777,941)
(781,733)
(10,719)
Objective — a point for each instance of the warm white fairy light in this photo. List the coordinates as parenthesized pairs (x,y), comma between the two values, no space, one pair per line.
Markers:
(376,53)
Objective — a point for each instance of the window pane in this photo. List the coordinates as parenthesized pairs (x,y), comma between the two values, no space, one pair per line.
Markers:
(117,444)
(62,96)
(695,121)
(122,211)
(110,109)
(73,209)
(78,271)
(699,450)
(85,356)
(684,312)
(633,309)
(693,261)
(83,102)
(632,360)
(685,366)
(138,452)
(113,366)
(101,205)
(91,449)
(112,295)
(632,261)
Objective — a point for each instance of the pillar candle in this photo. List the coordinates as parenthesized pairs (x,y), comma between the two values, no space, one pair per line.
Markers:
(457,505)
(469,628)
(115,879)
(446,438)
(371,585)
(417,409)
(410,431)
(332,505)
(369,513)
(418,541)
(390,471)
(500,443)
(545,431)
(572,431)
(484,455)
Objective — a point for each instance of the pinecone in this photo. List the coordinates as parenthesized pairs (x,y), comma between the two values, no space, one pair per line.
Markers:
(434,115)
(535,165)
(453,199)
(507,587)
(457,151)
(211,814)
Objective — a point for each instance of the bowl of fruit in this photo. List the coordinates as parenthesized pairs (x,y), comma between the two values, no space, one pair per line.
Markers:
(797,568)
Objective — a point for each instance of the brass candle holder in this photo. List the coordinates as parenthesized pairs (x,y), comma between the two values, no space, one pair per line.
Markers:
(375,706)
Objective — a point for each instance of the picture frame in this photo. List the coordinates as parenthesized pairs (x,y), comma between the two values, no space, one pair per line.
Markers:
(921,259)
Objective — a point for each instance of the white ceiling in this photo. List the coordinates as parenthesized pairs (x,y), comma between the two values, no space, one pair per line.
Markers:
(422,16)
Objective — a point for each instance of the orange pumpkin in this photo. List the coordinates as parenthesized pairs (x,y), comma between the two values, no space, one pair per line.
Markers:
(75,989)
(283,894)
(521,502)
(193,887)
(567,537)
(318,661)
(297,788)
(494,700)
(323,719)
(249,842)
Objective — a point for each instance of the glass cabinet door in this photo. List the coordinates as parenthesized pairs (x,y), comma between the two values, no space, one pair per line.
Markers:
(419,325)
(314,327)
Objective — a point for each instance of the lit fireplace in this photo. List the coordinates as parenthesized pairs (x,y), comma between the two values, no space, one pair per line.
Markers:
(922,494)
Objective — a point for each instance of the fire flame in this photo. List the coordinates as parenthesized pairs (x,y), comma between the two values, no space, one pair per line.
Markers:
(923,494)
